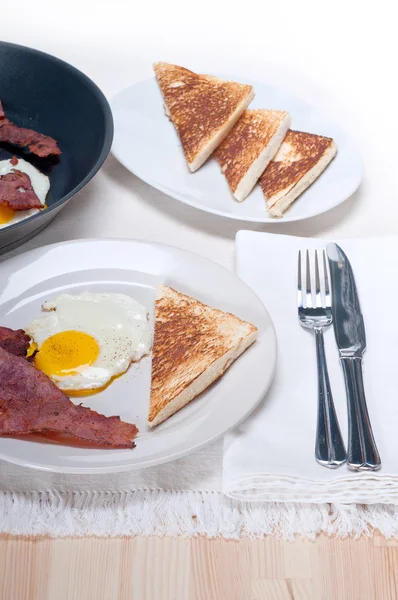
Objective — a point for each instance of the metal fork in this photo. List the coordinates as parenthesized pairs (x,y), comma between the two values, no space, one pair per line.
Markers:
(329,446)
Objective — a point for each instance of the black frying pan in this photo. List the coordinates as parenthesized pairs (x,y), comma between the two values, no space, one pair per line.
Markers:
(44,93)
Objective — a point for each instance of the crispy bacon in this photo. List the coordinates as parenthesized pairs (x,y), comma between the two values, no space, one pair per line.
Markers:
(37,143)
(16,191)
(17,342)
(31,403)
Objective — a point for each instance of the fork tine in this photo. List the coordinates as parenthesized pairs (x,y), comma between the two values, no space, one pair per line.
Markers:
(326,275)
(299,283)
(318,298)
(308,281)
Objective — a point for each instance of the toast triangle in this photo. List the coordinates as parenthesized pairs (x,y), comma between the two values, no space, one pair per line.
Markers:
(193,346)
(299,161)
(202,108)
(249,147)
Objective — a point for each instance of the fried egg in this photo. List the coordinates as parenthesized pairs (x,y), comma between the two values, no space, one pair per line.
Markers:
(40,184)
(87,339)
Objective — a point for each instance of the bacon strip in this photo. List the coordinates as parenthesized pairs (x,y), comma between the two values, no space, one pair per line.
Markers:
(16,342)
(31,403)
(37,143)
(16,191)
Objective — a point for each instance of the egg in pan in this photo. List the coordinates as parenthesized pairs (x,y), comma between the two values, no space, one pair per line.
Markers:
(40,184)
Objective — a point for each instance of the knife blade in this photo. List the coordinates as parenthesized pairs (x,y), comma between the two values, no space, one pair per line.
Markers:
(349,330)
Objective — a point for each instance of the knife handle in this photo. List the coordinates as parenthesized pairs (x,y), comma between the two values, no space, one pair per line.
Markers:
(362,453)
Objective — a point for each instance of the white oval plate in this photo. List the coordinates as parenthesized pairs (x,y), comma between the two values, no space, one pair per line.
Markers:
(146,143)
(129,266)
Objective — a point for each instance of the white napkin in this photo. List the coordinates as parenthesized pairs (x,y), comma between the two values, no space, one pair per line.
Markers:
(271,455)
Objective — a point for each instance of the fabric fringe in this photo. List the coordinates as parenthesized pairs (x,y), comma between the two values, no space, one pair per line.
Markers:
(166,513)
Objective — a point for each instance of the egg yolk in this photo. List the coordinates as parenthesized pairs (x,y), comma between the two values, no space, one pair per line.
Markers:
(32,349)
(62,353)
(6,214)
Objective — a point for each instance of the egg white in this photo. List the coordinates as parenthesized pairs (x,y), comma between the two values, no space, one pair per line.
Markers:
(117,322)
(40,184)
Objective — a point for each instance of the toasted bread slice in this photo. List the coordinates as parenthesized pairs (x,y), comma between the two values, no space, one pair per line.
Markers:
(203,108)
(250,146)
(299,161)
(193,346)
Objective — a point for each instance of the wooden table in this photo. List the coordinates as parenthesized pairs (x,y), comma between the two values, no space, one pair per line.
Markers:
(199,569)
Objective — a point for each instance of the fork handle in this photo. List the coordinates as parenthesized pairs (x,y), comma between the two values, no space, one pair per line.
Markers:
(329,446)
(362,450)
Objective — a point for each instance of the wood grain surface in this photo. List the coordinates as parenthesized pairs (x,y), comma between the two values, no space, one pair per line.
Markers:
(199,569)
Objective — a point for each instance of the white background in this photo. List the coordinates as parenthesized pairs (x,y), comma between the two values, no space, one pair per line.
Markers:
(339,55)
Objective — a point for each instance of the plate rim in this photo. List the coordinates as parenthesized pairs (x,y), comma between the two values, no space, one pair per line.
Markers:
(221,214)
(97,470)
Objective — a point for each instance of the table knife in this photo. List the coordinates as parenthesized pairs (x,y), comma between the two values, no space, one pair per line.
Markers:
(349,330)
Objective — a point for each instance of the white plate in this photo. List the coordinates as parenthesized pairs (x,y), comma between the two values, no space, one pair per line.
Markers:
(134,267)
(146,143)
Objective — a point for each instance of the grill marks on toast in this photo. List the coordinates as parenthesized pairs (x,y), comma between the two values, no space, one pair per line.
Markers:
(299,153)
(189,338)
(200,106)
(248,139)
